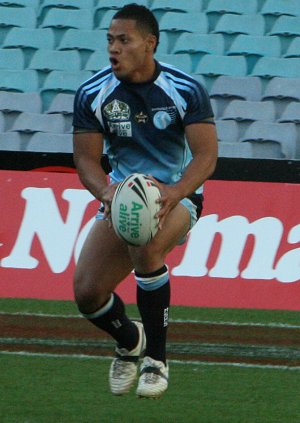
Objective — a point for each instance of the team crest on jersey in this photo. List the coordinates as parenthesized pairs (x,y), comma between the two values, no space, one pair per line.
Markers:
(116,111)
(141,117)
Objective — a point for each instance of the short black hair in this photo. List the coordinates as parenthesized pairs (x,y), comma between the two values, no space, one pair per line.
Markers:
(144,18)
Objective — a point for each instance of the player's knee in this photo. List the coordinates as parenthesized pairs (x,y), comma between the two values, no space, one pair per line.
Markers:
(88,294)
(152,280)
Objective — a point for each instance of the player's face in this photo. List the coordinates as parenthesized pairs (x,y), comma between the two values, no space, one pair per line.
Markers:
(130,51)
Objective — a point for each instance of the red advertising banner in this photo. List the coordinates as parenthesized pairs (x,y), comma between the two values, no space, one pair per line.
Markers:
(244,251)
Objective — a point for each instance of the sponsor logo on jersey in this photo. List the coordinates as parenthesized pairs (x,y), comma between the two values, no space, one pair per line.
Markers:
(116,111)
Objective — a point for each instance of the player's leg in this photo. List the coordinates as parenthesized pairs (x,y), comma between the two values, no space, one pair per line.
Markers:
(103,263)
(153,298)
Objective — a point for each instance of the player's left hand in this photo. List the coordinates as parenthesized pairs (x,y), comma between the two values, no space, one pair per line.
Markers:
(169,199)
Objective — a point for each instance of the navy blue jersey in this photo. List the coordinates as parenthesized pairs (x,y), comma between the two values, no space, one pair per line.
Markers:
(143,124)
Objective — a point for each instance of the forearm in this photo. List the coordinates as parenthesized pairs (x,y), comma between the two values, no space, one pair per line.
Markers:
(92,176)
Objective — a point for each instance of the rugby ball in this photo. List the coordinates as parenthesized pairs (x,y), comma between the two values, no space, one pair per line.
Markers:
(133,209)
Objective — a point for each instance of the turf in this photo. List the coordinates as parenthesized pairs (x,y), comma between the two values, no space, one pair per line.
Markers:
(69,390)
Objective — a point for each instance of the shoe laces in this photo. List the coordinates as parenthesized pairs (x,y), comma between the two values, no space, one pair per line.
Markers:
(120,368)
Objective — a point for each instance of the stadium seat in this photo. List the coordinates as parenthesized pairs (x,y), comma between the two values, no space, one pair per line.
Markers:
(243,88)
(25,17)
(263,134)
(245,112)
(21,3)
(255,46)
(235,150)
(64,4)
(39,122)
(180,61)
(105,20)
(230,25)
(61,103)
(11,141)
(61,82)
(50,143)
(160,7)
(293,49)
(49,60)
(12,104)
(216,65)
(287,26)
(98,60)
(19,80)
(216,8)
(291,114)
(12,59)
(20,102)
(2,122)
(30,38)
(227,131)
(227,88)
(79,39)
(68,18)
(163,46)
(199,43)
(280,7)
(115,4)
(282,91)
(187,22)
(269,67)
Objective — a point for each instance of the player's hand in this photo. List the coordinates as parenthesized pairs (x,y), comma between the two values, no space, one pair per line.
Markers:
(169,199)
(106,199)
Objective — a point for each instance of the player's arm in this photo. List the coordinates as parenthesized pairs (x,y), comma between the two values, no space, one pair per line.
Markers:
(88,148)
(202,140)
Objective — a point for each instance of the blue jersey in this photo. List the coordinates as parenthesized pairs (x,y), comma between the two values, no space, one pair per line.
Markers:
(143,124)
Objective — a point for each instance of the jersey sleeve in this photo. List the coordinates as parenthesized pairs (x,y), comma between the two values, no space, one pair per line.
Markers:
(198,105)
(83,115)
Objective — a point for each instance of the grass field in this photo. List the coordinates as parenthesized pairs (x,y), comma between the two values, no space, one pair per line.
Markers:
(58,386)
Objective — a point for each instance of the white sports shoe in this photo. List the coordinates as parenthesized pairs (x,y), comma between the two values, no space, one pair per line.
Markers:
(123,370)
(153,381)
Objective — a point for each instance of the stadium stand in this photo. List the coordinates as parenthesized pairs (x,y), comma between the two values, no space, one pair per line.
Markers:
(246,53)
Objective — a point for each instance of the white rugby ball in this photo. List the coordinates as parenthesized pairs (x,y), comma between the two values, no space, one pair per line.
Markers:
(133,209)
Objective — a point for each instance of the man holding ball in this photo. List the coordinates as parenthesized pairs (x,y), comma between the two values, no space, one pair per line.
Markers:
(153,119)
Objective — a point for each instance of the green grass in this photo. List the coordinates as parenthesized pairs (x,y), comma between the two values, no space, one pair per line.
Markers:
(212,314)
(69,390)
(43,389)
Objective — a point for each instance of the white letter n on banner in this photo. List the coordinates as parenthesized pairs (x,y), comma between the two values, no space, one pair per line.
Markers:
(42,219)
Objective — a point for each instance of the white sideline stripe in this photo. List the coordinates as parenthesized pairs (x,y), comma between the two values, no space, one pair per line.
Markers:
(180,362)
(202,322)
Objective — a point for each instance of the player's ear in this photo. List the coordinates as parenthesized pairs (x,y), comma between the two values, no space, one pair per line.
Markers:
(151,42)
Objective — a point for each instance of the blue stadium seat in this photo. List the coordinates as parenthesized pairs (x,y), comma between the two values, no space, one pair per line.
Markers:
(19,80)
(50,143)
(98,60)
(282,91)
(80,39)
(2,122)
(235,150)
(230,25)
(199,43)
(21,3)
(46,5)
(255,46)
(12,58)
(11,141)
(272,9)
(49,60)
(33,38)
(160,7)
(187,22)
(105,21)
(281,137)
(39,122)
(61,103)
(24,17)
(68,18)
(270,67)
(216,8)
(20,102)
(291,114)
(61,82)
(245,112)
(293,49)
(227,131)
(287,28)
(163,46)
(228,88)
(180,61)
